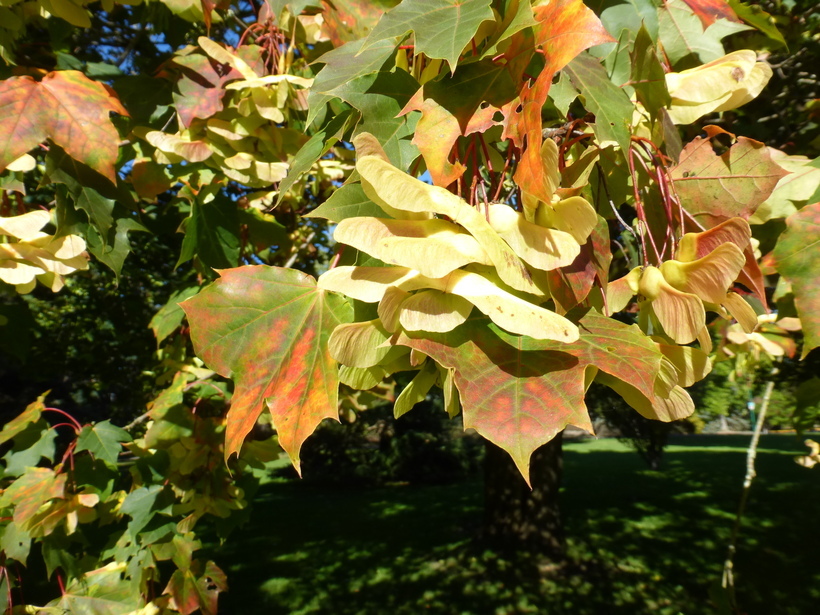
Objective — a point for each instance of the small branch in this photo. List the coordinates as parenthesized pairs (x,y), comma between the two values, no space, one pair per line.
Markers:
(295,255)
(728,582)
(137,421)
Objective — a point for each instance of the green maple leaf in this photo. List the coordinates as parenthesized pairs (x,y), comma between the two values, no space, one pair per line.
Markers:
(101,592)
(170,316)
(103,440)
(609,103)
(682,33)
(267,328)
(519,393)
(349,201)
(344,64)
(797,258)
(442,28)
(380,97)
(139,505)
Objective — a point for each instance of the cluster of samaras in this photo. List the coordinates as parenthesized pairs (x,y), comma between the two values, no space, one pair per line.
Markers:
(446,257)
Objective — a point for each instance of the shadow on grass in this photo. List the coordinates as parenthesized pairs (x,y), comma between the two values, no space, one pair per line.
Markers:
(639,541)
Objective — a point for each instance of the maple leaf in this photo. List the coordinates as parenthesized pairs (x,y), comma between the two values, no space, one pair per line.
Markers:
(683,34)
(519,393)
(462,105)
(709,11)
(66,107)
(267,328)
(98,591)
(380,97)
(442,28)
(203,79)
(29,492)
(349,20)
(193,589)
(344,64)
(565,29)
(716,188)
(797,258)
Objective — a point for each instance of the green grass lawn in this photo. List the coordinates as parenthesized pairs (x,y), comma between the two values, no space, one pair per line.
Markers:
(639,541)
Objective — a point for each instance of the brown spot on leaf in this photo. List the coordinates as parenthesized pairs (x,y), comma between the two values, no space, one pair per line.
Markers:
(738,74)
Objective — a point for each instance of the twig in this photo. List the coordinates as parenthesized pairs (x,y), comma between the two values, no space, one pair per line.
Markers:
(138,421)
(295,255)
(728,582)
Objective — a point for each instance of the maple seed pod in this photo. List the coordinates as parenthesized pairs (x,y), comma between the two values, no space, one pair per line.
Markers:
(650,283)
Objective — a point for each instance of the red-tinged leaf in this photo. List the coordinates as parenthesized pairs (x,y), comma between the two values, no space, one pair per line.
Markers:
(208,7)
(267,328)
(570,285)
(715,188)
(565,29)
(66,107)
(19,423)
(192,592)
(202,83)
(519,393)
(350,20)
(33,489)
(797,258)
(99,592)
(709,11)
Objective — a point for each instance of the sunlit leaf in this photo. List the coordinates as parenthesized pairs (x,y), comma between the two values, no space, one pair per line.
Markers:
(797,258)
(267,328)
(344,64)
(66,107)
(103,440)
(442,28)
(520,393)
(565,29)
(33,489)
(682,33)
(708,11)
(380,97)
(717,187)
(609,103)
(100,592)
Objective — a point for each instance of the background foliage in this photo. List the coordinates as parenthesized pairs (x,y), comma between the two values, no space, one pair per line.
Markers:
(227,154)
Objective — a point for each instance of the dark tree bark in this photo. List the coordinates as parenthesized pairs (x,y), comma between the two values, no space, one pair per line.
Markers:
(517,518)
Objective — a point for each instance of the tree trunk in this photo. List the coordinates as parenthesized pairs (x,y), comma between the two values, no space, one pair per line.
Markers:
(520,519)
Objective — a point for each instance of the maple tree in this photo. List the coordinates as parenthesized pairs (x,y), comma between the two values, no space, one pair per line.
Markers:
(514,215)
